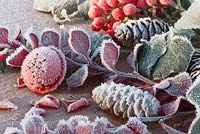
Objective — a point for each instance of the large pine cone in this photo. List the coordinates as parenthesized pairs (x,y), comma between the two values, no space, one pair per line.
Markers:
(126,100)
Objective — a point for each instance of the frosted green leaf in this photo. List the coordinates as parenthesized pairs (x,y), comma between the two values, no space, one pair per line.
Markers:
(195,126)
(151,52)
(165,54)
(190,18)
(83,8)
(2,66)
(64,10)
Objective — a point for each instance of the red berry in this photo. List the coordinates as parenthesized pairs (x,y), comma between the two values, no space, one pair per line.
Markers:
(129,9)
(118,14)
(127,1)
(95,28)
(141,3)
(151,2)
(93,2)
(94,12)
(116,24)
(113,3)
(110,23)
(165,2)
(98,22)
(103,5)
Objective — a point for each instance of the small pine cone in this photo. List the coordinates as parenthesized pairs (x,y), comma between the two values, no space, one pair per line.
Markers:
(134,30)
(126,100)
(194,66)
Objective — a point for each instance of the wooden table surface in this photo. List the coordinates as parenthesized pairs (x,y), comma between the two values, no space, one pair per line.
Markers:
(19,13)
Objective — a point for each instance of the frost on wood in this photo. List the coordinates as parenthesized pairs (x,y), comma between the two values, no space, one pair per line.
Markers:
(44,5)
(126,100)
(5,104)
(109,54)
(194,66)
(12,130)
(44,69)
(165,54)
(134,30)
(78,78)
(49,101)
(190,18)
(79,41)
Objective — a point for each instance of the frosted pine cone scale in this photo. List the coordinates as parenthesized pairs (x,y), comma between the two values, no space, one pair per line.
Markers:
(134,30)
(126,100)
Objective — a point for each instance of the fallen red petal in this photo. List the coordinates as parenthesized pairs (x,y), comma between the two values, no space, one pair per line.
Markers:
(77,104)
(49,101)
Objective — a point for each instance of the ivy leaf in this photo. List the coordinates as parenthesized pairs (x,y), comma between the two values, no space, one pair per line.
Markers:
(83,8)
(150,54)
(50,37)
(64,36)
(95,47)
(165,54)
(195,126)
(79,41)
(2,65)
(78,78)
(109,54)
(64,10)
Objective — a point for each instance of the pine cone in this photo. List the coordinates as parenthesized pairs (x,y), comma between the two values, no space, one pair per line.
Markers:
(194,66)
(126,100)
(134,30)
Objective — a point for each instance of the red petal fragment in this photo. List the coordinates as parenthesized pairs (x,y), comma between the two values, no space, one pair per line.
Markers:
(35,40)
(16,59)
(137,126)
(63,127)
(33,124)
(4,105)
(78,104)
(35,111)
(50,38)
(171,130)
(49,101)
(3,53)
(67,102)
(3,36)
(13,130)
(79,41)
(172,107)
(20,82)
(109,54)
(78,78)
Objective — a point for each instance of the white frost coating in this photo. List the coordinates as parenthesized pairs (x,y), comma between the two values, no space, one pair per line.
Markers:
(74,120)
(65,124)
(44,5)
(162,85)
(102,53)
(70,37)
(190,18)
(15,53)
(35,123)
(125,100)
(13,130)
(49,101)
(35,110)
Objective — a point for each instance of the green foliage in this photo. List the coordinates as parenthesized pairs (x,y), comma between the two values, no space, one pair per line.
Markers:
(2,66)
(165,54)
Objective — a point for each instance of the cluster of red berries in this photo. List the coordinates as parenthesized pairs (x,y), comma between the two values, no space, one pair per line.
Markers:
(107,14)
